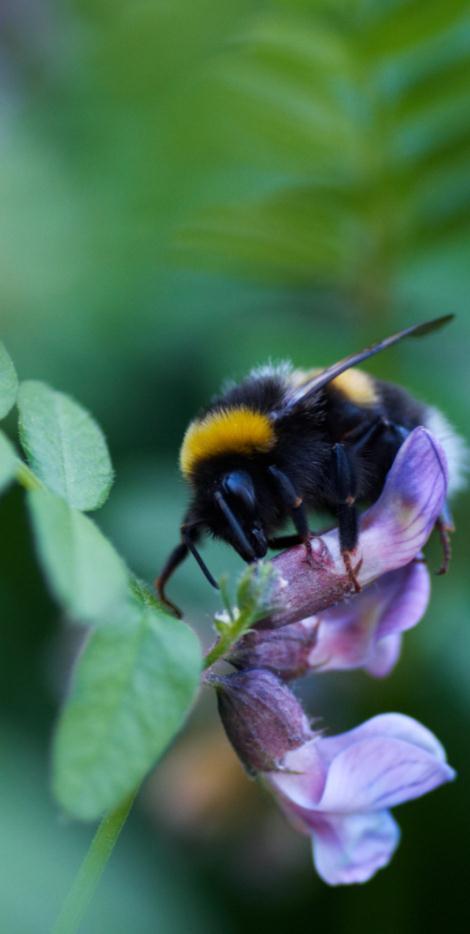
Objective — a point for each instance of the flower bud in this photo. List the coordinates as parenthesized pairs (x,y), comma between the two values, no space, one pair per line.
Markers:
(262,718)
(285,651)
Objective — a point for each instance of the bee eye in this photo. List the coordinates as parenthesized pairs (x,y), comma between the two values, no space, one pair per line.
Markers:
(240,485)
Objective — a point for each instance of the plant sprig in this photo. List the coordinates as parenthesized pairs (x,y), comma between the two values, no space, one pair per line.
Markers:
(252,603)
(139,666)
(138,674)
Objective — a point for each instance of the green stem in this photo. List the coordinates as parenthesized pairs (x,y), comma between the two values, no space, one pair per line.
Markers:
(217,650)
(224,641)
(26,477)
(91,870)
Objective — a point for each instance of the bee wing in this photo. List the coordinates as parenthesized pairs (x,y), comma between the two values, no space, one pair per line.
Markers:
(307,390)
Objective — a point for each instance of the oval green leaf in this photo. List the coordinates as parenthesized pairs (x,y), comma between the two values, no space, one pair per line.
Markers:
(8,382)
(85,573)
(133,687)
(64,445)
(7,461)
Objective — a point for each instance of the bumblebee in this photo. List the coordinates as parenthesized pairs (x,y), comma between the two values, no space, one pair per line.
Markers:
(284,442)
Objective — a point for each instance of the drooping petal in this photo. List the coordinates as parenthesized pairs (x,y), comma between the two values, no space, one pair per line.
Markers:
(385,725)
(384,656)
(381,772)
(394,529)
(348,634)
(387,760)
(338,790)
(352,848)
(302,779)
(408,590)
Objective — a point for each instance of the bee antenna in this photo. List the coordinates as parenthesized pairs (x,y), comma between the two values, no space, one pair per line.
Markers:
(185,531)
(235,526)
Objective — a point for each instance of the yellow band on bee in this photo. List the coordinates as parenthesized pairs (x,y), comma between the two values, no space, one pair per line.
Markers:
(226,431)
(357,386)
(354,384)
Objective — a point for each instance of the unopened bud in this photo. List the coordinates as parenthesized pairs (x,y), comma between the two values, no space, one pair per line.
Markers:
(284,651)
(262,718)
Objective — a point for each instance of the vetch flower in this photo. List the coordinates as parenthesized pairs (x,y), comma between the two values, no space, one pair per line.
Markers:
(391,534)
(335,789)
(363,631)
(339,789)
(366,633)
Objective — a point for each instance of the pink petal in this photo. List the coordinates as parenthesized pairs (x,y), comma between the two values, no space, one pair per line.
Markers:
(381,772)
(347,634)
(352,848)
(384,656)
(303,777)
(406,593)
(395,528)
(393,725)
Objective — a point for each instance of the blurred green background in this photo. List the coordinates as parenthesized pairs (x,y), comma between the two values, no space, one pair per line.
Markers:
(189,189)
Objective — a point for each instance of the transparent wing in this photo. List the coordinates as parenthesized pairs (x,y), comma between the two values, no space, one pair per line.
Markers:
(308,389)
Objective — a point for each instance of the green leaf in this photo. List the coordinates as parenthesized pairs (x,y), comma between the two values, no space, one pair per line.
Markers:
(64,445)
(254,593)
(85,573)
(8,382)
(132,690)
(7,461)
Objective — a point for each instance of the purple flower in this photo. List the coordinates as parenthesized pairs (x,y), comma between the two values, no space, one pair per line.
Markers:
(362,632)
(335,789)
(338,791)
(366,632)
(318,625)
(392,533)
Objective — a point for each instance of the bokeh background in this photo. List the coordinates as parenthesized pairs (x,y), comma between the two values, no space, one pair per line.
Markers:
(188,189)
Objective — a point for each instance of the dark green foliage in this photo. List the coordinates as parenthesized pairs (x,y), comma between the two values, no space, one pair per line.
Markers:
(8,382)
(136,680)
(133,686)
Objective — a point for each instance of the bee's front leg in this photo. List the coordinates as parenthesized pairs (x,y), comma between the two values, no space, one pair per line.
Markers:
(296,509)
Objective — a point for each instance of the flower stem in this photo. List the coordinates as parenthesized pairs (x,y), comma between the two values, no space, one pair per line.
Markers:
(26,477)
(91,870)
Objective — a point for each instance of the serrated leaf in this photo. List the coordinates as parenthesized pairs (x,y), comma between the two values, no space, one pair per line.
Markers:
(7,461)
(132,690)
(85,573)
(64,445)
(8,382)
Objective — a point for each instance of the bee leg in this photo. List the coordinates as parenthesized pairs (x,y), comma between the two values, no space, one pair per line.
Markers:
(297,511)
(346,492)
(174,560)
(445,525)
(189,536)
(365,432)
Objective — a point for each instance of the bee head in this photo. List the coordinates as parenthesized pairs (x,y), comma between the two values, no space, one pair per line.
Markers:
(236,500)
